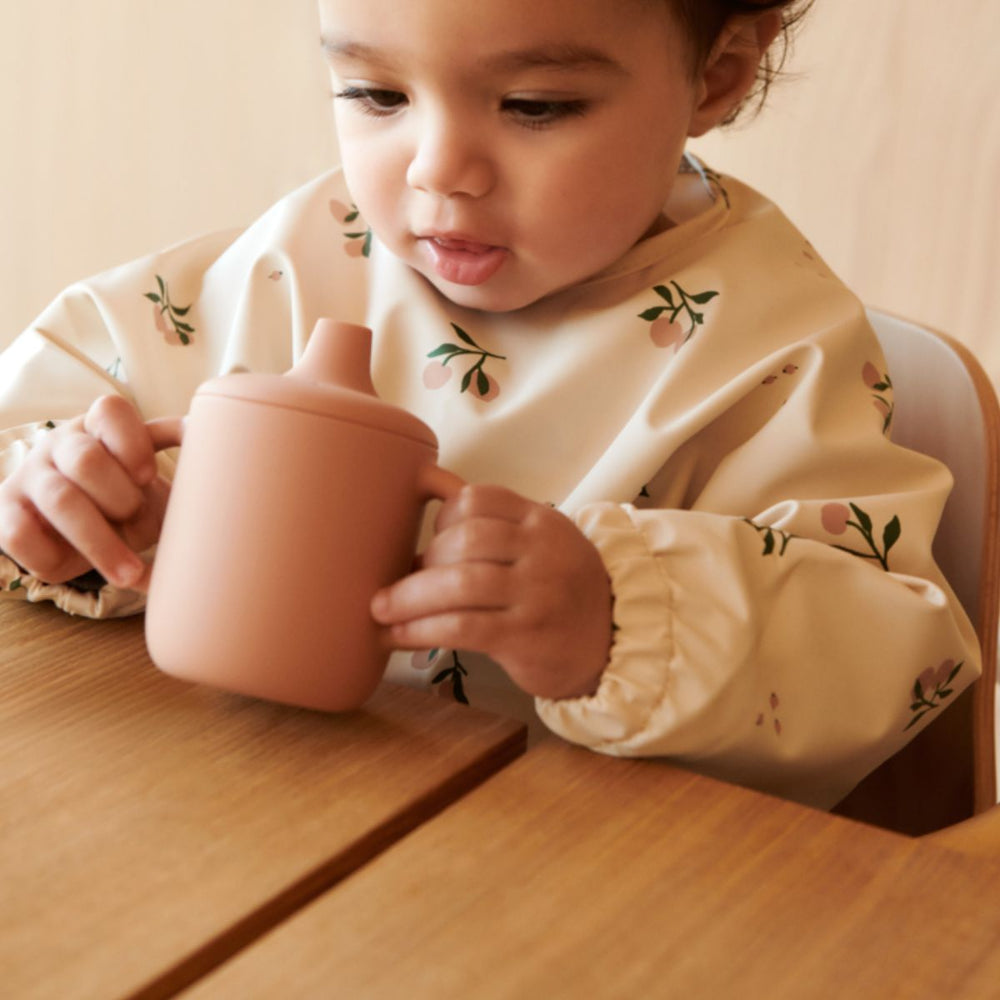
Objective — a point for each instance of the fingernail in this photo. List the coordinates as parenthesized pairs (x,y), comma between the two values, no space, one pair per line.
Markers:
(146,474)
(128,572)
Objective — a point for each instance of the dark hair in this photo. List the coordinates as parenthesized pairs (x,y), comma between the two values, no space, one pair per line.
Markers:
(704,20)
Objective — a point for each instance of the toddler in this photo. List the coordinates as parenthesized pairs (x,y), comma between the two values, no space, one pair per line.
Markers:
(688,533)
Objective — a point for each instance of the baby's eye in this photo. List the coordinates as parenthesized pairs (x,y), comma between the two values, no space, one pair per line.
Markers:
(539,112)
(374,100)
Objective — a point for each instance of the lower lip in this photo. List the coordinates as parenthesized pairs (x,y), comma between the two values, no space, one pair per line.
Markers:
(462,262)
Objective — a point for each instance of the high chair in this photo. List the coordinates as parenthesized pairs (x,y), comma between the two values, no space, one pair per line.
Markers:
(945,406)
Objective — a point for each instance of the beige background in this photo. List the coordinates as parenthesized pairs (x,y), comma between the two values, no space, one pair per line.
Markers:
(128,124)
(885,149)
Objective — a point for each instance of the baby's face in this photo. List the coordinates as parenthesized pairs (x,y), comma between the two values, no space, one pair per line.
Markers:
(507,149)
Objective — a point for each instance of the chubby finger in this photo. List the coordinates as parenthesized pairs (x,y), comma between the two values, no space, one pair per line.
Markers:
(85,462)
(476,500)
(142,530)
(30,542)
(479,630)
(70,513)
(116,423)
(477,539)
(441,589)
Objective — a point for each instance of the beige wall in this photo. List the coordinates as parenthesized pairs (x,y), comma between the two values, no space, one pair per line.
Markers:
(128,124)
(885,149)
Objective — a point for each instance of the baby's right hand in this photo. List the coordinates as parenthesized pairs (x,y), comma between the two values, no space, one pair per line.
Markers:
(87,495)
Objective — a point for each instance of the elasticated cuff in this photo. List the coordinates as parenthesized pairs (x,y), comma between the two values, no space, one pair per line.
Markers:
(637,676)
(105,602)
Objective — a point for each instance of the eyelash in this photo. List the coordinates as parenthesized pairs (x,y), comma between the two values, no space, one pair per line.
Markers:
(367,100)
(381,103)
(551,111)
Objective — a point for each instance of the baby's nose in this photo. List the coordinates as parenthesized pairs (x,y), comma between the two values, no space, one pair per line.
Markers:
(449,162)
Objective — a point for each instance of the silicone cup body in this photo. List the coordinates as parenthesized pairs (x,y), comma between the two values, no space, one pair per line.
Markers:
(262,582)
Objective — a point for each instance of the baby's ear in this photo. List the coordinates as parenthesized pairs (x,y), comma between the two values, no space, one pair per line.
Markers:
(731,68)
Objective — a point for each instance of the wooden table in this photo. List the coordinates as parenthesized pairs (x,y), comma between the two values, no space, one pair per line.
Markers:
(570,875)
(150,828)
(978,836)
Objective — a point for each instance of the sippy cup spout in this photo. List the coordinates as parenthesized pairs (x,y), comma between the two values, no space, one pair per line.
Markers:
(337,353)
(331,380)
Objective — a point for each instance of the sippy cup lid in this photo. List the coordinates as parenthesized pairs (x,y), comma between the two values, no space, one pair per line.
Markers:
(331,379)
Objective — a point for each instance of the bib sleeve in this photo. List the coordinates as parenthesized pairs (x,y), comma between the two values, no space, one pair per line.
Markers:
(786,627)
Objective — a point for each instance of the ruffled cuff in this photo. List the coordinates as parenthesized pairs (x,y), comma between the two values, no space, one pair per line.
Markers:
(636,680)
(89,596)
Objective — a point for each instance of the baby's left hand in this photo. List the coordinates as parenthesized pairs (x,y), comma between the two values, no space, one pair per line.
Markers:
(513,579)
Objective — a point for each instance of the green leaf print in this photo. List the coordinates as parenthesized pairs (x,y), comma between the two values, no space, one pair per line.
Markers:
(836,519)
(464,337)
(881,389)
(445,350)
(357,236)
(168,317)
(453,675)
(864,521)
(437,374)
(932,688)
(676,322)
(665,294)
(771,536)
(366,242)
(890,534)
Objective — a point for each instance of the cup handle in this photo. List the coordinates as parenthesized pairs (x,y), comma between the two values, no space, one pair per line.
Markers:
(166,432)
(437,483)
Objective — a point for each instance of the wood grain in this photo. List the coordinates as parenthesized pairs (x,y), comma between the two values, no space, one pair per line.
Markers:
(978,836)
(150,828)
(572,875)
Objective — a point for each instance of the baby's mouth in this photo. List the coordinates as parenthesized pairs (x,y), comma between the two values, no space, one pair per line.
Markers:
(463,261)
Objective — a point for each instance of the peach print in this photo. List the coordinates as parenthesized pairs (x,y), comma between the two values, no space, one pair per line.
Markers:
(168,318)
(476,379)
(881,386)
(358,236)
(837,517)
(673,324)
(931,688)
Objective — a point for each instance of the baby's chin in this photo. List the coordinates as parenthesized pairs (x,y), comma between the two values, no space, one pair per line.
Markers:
(484,298)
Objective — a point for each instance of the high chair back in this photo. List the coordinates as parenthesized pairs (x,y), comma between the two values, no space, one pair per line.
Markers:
(945,406)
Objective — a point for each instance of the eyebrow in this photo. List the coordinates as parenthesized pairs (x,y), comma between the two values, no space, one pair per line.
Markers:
(335,48)
(557,57)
